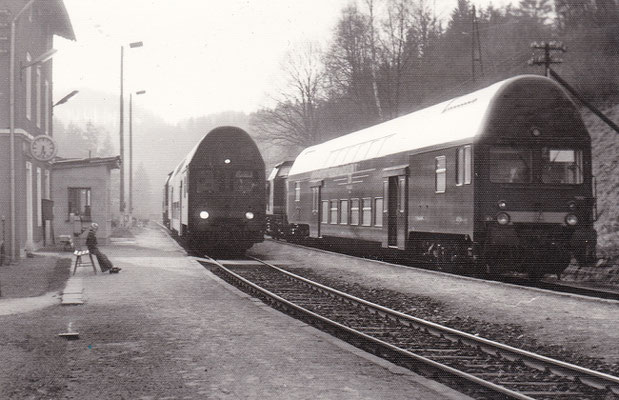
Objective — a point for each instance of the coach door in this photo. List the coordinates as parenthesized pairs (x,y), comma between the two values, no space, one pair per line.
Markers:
(396,185)
(317,208)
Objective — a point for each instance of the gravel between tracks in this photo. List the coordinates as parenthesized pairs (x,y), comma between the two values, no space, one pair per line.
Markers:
(572,329)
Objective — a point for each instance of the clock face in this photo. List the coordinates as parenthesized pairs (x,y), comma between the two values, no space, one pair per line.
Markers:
(43,148)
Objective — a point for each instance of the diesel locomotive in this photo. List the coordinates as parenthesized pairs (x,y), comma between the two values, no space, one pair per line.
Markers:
(214,200)
(498,179)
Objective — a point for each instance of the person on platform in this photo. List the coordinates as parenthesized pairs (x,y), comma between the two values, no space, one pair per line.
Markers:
(91,244)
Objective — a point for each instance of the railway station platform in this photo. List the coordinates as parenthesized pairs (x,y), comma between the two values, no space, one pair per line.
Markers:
(165,327)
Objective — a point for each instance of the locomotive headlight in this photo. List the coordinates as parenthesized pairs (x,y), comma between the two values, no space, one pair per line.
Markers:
(204,214)
(502,218)
(502,204)
(249,215)
(572,205)
(571,219)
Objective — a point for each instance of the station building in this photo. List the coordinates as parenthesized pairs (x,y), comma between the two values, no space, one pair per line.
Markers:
(82,193)
(27,30)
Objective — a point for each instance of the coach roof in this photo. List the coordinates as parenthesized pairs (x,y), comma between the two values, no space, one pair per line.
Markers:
(457,119)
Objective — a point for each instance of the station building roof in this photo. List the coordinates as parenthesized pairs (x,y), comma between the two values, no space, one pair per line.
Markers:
(60,23)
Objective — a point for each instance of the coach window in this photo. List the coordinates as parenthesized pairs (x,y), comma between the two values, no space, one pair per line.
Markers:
(333,217)
(354,211)
(441,174)
(344,212)
(378,211)
(325,212)
(463,166)
(297,191)
(366,219)
(315,199)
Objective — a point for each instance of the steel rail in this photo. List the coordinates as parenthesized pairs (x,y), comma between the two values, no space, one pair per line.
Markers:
(590,294)
(460,374)
(595,379)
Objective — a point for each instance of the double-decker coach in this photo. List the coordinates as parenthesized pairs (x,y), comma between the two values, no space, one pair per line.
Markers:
(500,177)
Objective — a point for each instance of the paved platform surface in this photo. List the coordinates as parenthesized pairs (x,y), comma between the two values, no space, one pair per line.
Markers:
(165,327)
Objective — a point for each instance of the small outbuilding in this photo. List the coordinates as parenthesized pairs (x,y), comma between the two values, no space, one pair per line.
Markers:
(81,190)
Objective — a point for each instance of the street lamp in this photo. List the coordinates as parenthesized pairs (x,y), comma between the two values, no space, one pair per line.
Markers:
(139,92)
(66,98)
(122,117)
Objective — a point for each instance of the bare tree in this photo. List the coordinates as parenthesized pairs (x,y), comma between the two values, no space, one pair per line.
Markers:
(294,118)
(373,62)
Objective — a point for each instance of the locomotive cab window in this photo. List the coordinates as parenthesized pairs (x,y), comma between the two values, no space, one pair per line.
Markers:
(561,166)
(511,164)
(547,165)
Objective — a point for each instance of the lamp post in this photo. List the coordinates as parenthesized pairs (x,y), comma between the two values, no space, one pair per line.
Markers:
(139,92)
(121,133)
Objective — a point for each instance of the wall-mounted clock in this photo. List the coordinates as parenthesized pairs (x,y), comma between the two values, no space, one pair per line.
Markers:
(43,148)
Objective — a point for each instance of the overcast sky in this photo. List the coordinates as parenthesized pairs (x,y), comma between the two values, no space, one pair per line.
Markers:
(199,56)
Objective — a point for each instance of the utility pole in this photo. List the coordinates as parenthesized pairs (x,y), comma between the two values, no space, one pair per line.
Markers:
(475,49)
(548,58)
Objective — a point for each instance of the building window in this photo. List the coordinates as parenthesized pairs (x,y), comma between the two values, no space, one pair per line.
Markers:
(28,73)
(333,217)
(402,194)
(344,212)
(354,211)
(366,219)
(297,191)
(441,174)
(39,198)
(325,212)
(80,202)
(378,211)
(315,191)
(463,166)
(47,192)
(38,96)
(46,107)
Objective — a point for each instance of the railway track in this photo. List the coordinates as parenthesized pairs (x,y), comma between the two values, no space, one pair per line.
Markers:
(547,284)
(479,367)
